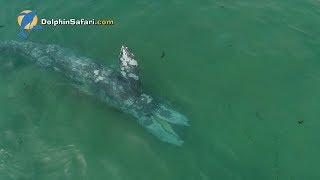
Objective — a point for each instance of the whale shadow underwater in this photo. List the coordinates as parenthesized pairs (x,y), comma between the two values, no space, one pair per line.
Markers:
(119,87)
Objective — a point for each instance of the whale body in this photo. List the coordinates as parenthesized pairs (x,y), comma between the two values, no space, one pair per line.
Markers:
(119,87)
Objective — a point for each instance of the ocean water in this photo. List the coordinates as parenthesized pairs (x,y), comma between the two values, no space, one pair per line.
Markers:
(244,72)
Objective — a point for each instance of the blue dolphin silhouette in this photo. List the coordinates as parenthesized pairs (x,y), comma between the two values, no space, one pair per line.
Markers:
(28,17)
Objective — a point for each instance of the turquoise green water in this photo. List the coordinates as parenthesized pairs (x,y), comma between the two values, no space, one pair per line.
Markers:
(244,72)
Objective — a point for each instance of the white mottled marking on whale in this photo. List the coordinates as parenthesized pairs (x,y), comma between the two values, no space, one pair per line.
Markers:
(123,73)
(106,72)
(79,62)
(135,77)
(126,59)
(146,97)
(129,102)
(99,78)
(50,48)
(36,52)
(96,72)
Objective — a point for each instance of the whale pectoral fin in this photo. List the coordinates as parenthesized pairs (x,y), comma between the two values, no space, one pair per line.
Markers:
(129,67)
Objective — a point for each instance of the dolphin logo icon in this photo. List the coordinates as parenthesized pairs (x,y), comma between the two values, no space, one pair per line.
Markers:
(27,21)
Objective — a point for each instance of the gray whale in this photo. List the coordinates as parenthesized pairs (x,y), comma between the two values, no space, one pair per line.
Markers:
(119,87)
